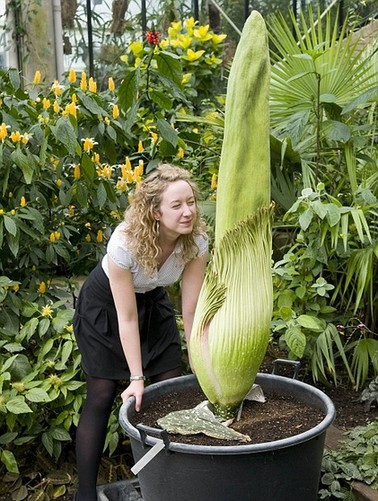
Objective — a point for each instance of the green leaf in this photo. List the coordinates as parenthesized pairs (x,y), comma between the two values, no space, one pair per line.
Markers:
(101,195)
(311,323)
(60,434)
(161,99)
(337,131)
(305,219)
(65,134)
(10,225)
(25,162)
(87,168)
(17,405)
(167,132)
(63,318)
(296,341)
(37,395)
(90,104)
(169,66)
(128,90)
(7,457)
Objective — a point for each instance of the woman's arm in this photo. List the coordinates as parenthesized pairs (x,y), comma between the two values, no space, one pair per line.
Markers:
(192,279)
(123,291)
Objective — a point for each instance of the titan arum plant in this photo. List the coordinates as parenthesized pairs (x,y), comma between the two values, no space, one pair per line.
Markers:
(231,327)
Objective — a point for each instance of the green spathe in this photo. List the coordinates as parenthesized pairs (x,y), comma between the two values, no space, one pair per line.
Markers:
(244,171)
(231,326)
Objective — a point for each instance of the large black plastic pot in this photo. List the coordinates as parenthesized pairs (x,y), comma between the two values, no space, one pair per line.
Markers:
(283,470)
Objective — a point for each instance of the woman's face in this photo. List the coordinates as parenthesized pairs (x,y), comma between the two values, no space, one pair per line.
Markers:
(177,210)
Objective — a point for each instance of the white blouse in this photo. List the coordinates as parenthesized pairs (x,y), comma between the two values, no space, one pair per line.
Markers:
(169,273)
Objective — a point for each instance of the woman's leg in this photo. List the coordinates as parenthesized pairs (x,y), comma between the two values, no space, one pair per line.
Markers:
(91,434)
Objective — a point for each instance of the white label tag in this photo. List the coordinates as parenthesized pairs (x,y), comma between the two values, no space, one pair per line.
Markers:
(148,456)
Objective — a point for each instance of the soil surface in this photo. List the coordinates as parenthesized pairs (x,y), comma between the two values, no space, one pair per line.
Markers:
(277,418)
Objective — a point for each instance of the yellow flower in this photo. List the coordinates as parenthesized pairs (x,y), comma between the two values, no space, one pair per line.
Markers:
(136,48)
(96,158)
(2,212)
(138,172)
(72,76)
(180,153)
(46,103)
(16,288)
(42,287)
(37,77)
(154,137)
(164,44)
(214,182)
(23,202)
(88,144)
(74,98)
(16,136)
(77,172)
(47,311)
(190,23)
(115,111)
(111,85)
(88,237)
(107,171)
(140,147)
(121,185)
(186,78)
(100,236)
(59,183)
(217,39)
(192,55)
(185,41)
(83,81)
(56,106)
(202,33)
(128,164)
(10,195)
(3,131)
(25,138)
(56,88)
(92,85)
(174,29)
(71,211)
(52,237)
(70,109)
(13,212)
(213,59)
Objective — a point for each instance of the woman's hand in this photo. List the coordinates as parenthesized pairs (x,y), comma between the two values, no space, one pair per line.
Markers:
(135,389)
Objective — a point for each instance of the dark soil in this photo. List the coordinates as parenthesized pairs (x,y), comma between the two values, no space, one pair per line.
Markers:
(279,417)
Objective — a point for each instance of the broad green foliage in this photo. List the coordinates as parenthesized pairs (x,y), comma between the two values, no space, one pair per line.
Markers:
(40,379)
(356,459)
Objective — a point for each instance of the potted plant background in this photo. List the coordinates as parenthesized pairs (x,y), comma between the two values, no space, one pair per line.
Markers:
(232,322)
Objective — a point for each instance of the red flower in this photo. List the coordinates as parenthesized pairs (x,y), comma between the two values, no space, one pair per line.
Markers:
(153,37)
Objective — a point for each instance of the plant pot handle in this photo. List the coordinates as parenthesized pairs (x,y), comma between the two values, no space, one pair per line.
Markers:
(295,365)
(144,430)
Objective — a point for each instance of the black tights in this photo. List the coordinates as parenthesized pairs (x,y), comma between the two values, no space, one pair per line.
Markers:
(92,427)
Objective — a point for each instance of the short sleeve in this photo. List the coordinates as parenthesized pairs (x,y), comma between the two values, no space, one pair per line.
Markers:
(118,252)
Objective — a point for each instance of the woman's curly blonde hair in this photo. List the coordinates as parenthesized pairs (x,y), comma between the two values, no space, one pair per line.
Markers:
(141,227)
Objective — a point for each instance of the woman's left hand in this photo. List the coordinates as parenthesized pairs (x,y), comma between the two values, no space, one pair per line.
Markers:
(135,389)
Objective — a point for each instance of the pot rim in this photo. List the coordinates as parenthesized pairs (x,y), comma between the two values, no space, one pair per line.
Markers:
(328,408)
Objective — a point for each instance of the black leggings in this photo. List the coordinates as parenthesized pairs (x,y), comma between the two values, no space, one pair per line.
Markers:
(92,427)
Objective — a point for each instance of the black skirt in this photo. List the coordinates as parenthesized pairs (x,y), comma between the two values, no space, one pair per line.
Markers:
(96,329)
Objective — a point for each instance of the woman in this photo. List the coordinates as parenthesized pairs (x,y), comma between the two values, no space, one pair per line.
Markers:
(124,322)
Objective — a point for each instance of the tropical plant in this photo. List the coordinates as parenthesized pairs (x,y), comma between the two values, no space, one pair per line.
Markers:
(322,90)
(231,327)
(356,459)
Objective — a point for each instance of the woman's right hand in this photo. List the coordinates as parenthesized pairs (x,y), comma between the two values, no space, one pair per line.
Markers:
(135,389)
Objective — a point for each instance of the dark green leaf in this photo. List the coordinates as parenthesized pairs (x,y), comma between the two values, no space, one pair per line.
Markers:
(170,67)
(65,134)
(128,90)
(167,132)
